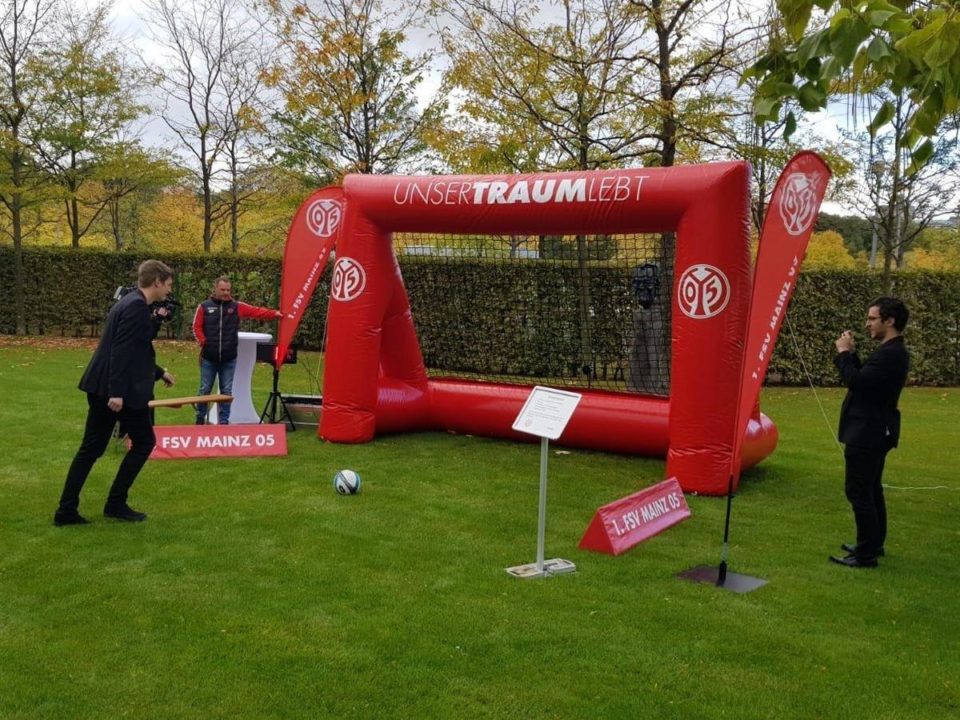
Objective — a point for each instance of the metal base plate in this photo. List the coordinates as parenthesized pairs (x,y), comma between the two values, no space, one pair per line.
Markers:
(555,566)
(734,582)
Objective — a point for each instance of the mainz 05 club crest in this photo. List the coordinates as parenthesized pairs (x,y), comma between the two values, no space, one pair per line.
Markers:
(349,279)
(703,291)
(323,217)
(798,203)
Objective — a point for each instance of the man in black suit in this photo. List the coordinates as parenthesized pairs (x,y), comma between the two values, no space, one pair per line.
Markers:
(119,385)
(870,423)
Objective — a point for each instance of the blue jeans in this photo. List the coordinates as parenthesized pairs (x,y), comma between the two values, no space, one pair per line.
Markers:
(209,371)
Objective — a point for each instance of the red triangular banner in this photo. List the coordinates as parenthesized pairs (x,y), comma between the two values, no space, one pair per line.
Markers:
(618,526)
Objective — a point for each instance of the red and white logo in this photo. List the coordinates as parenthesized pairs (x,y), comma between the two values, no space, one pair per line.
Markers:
(323,217)
(798,202)
(349,279)
(703,291)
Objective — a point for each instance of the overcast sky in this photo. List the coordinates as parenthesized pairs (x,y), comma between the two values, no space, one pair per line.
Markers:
(126,17)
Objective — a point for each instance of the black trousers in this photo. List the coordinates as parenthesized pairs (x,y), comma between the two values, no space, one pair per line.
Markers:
(138,425)
(864,488)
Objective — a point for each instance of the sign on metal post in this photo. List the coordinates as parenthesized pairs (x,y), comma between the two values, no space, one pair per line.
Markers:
(545,414)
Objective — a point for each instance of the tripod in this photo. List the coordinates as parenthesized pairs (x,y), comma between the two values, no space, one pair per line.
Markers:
(275,399)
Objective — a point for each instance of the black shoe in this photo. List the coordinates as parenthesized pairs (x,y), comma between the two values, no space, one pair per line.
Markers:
(124,512)
(201,422)
(854,561)
(852,549)
(72,517)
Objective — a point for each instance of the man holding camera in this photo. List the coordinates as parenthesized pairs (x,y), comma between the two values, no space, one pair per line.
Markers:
(870,423)
(216,326)
(119,385)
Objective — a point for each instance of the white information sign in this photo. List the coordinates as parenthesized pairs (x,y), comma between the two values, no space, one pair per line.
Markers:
(546,412)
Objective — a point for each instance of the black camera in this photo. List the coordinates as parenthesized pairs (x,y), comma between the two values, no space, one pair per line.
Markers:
(161,310)
(646,284)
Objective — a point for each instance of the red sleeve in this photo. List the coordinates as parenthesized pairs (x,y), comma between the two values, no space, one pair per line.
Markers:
(252,311)
(198,326)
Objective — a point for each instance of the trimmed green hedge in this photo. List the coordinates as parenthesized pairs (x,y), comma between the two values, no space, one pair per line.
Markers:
(516,318)
(69,293)
(829,301)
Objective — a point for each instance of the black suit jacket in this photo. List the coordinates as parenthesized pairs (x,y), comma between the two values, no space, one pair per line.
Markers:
(124,363)
(869,417)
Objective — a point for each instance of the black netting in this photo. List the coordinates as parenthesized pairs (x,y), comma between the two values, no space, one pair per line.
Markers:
(587,311)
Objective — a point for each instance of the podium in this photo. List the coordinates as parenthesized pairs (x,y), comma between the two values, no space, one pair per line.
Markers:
(545,414)
(242,411)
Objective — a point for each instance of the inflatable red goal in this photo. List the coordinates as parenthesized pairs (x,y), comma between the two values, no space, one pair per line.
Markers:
(375,380)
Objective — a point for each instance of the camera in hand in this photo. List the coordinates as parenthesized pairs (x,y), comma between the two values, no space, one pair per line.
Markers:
(161,310)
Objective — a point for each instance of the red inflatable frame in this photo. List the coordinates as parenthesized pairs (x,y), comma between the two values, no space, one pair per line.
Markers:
(375,380)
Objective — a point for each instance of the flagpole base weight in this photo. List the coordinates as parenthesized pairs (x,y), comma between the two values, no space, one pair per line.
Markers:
(734,582)
(555,566)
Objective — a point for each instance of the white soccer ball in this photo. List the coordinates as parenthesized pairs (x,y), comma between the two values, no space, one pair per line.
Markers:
(347,482)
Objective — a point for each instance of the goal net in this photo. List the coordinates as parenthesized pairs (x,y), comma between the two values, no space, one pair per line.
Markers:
(587,311)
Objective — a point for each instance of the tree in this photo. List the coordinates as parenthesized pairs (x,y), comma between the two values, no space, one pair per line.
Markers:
(199,41)
(268,198)
(130,174)
(349,90)
(87,100)
(594,83)
(936,249)
(24,25)
(764,145)
(548,93)
(908,47)
(899,204)
(827,250)
(173,219)
(697,50)
(854,230)
(242,122)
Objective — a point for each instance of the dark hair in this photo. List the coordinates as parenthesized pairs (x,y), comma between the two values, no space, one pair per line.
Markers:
(890,307)
(152,270)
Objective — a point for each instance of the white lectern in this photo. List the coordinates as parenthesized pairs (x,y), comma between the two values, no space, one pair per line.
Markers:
(545,414)
(241,409)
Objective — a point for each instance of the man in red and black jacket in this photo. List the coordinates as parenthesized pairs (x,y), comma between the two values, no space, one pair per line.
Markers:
(216,326)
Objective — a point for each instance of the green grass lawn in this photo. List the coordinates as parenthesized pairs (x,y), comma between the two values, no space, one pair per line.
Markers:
(255,591)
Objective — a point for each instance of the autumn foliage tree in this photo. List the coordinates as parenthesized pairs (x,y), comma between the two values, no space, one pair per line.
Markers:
(547,92)
(827,250)
(87,100)
(349,89)
(25,28)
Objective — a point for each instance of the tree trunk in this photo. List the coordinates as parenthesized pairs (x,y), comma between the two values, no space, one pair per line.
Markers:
(234,213)
(583,273)
(19,296)
(16,220)
(73,220)
(585,309)
(207,209)
(115,224)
